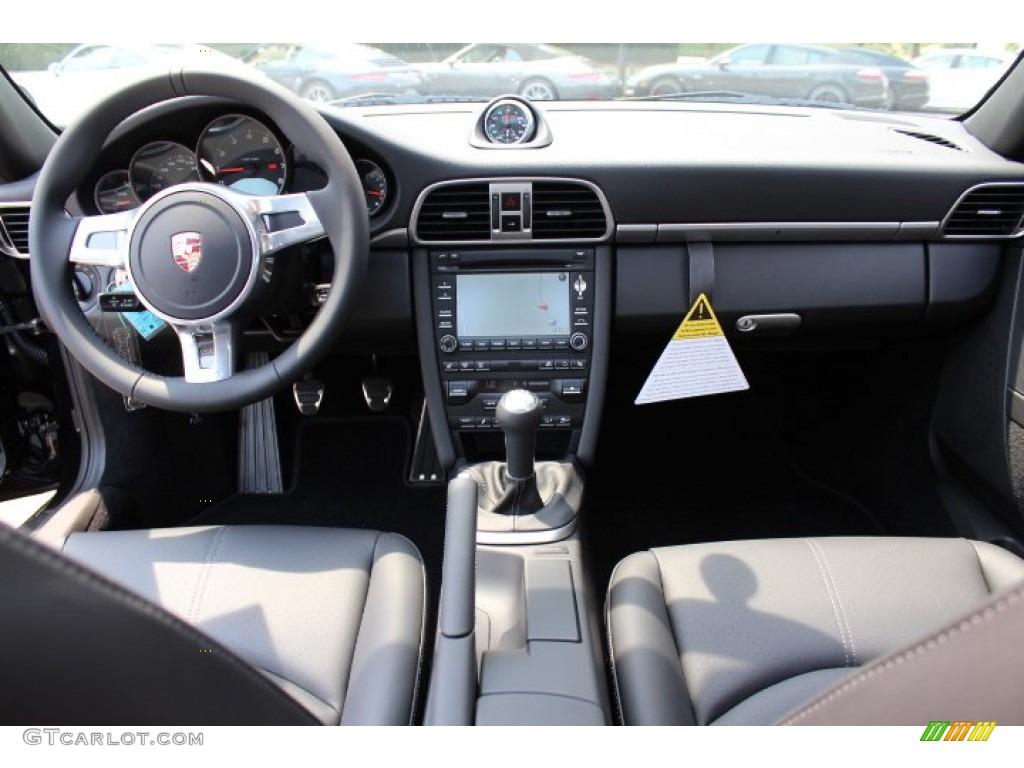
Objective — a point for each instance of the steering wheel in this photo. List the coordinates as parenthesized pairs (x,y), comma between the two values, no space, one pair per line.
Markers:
(199,255)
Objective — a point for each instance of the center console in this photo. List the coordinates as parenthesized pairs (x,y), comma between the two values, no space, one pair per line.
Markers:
(513,320)
(513,339)
(492,320)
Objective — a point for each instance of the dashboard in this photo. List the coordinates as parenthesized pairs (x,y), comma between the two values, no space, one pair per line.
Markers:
(514,244)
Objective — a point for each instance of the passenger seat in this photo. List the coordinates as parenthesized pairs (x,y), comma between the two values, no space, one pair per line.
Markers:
(826,631)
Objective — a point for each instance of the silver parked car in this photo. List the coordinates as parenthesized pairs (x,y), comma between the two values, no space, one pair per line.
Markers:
(535,70)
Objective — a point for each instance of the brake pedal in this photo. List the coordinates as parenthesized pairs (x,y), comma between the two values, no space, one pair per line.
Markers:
(377,392)
(309,395)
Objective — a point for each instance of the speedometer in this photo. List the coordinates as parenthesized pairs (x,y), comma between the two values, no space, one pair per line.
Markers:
(508,122)
(159,165)
(240,152)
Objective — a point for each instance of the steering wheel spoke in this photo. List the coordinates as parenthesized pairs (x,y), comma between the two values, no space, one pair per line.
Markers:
(208,351)
(101,240)
(282,221)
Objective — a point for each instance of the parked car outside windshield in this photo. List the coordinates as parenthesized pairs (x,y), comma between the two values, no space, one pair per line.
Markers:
(329,73)
(64,79)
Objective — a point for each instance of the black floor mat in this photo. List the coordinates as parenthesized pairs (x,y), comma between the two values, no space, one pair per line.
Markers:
(825,445)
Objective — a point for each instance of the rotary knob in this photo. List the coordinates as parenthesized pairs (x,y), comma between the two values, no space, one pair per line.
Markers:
(448,343)
(578,341)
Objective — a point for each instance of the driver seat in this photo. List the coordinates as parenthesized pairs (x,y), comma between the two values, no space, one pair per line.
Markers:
(222,625)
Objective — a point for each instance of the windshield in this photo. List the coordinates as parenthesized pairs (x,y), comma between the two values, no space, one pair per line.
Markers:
(64,79)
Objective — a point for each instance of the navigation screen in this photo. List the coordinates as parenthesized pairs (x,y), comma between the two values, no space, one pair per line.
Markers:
(531,304)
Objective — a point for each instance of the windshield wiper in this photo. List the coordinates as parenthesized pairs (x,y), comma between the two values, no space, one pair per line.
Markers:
(735,97)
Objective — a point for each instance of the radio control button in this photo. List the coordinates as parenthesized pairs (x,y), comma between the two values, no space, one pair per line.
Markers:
(481,345)
(579,341)
(529,343)
(546,344)
(465,346)
(458,392)
(448,343)
(497,343)
(513,344)
(561,343)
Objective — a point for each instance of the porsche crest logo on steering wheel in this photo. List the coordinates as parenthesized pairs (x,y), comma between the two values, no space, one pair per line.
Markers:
(187,250)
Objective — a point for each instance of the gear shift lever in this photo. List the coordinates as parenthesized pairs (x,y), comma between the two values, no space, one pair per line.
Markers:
(519,416)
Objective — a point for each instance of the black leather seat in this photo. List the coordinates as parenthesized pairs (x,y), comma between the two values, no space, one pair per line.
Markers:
(745,632)
(244,624)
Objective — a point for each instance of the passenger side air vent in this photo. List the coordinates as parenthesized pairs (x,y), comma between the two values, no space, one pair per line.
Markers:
(455,212)
(14,230)
(929,137)
(566,210)
(990,210)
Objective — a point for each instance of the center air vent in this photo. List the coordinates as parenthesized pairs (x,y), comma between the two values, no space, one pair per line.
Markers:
(455,212)
(510,210)
(566,210)
(14,230)
(989,210)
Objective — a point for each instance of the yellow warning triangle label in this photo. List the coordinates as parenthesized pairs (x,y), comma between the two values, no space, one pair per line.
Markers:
(698,361)
(700,322)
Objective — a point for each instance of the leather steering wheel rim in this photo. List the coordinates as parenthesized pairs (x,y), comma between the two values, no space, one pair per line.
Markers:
(339,206)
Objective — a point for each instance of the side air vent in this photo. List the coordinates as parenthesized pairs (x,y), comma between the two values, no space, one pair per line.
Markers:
(14,230)
(989,210)
(455,212)
(930,137)
(566,210)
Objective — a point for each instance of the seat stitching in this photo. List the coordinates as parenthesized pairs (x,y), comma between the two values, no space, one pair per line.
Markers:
(831,599)
(839,599)
(921,648)
(204,575)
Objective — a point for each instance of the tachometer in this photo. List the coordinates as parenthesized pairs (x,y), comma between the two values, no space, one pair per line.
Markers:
(375,185)
(113,193)
(240,152)
(508,122)
(159,165)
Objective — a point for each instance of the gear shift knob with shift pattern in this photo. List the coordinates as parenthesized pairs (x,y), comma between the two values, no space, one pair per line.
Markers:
(519,416)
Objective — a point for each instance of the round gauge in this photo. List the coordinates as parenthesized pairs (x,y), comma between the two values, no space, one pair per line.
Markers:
(508,122)
(240,152)
(159,165)
(375,185)
(114,194)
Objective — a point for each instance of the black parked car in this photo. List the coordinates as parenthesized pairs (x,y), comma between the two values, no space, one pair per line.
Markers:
(784,71)
(908,85)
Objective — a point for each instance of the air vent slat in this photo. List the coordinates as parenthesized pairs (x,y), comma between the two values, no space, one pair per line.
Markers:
(930,138)
(990,211)
(461,212)
(563,210)
(15,230)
